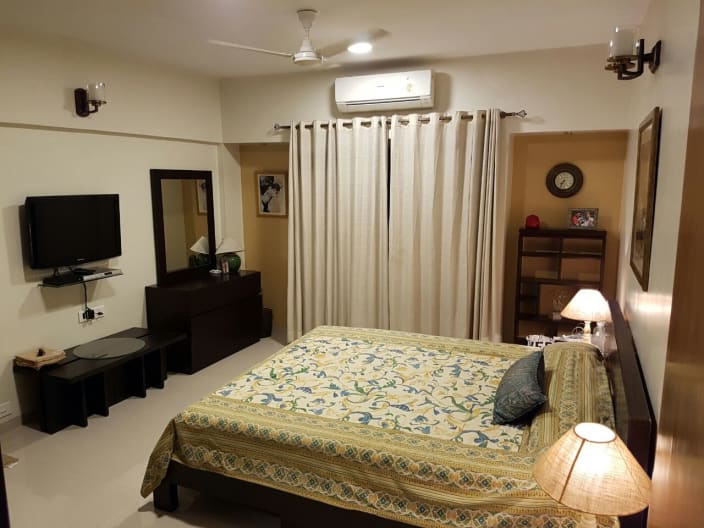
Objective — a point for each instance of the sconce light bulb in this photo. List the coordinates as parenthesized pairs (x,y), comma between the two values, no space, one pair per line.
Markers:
(96,93)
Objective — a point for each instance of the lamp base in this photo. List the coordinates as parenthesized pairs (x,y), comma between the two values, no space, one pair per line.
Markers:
(233,262)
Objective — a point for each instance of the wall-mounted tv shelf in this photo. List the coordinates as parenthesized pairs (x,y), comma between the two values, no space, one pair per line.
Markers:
(70,278)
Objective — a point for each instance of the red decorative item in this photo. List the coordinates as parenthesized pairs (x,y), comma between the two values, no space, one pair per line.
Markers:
(532,222)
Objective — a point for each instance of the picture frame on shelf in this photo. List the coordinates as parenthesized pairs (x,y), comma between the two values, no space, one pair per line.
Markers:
(271,193)
(644,197)
(583,218)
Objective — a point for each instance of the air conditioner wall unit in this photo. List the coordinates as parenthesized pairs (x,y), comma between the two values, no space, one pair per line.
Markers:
(385,91)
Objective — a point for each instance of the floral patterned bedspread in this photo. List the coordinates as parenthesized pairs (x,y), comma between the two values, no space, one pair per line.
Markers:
(405,387)
(391,423)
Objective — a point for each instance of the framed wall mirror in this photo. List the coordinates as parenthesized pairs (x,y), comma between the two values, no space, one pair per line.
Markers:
(184,223)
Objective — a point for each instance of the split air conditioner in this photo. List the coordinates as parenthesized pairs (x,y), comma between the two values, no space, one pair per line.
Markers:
(386,91)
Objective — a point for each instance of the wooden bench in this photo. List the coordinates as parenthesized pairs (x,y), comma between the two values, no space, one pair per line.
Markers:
(75,388)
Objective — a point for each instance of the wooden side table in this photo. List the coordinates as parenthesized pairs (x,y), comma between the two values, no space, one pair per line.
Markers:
(75,388)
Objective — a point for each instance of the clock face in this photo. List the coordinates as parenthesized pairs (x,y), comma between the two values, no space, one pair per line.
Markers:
(564,180)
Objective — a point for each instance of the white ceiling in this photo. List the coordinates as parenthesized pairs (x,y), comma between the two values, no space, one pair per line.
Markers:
(175,32)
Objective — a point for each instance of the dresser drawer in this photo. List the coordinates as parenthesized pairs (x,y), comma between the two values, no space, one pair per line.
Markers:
(222,292)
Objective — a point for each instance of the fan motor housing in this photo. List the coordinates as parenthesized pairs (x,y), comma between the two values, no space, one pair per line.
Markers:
(306,57)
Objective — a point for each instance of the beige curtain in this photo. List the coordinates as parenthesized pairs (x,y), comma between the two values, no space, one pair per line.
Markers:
(338,230)
(444,252)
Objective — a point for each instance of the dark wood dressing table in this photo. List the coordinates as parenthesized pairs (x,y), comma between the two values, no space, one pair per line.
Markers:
(220,315)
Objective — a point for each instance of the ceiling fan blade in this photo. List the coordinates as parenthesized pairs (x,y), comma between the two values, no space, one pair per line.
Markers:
(249,48)
(340,47)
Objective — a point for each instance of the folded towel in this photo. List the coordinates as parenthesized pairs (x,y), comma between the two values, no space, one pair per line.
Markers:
(38,359)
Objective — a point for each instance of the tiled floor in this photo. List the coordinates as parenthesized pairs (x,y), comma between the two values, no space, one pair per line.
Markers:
(90,478)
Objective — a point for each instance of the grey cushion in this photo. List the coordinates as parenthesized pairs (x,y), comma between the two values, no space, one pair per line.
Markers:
(520,391)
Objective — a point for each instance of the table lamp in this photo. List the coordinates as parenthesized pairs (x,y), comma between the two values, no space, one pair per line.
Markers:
(587,305)
(591,470)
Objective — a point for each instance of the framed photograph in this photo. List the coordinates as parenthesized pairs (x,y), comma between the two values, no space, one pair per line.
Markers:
(644,200)
(271,193)
(582,218)
(202,196)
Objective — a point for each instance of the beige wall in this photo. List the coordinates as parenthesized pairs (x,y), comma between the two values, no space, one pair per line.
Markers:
(39,76)
(676,24)
(562,89)
(600,156)
(266,237)
(46,149)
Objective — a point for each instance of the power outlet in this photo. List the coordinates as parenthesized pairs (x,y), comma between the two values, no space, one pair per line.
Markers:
(5,411)
(97,312)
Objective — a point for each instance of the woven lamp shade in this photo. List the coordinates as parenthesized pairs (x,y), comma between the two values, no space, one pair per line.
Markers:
(587,305)
(591,470)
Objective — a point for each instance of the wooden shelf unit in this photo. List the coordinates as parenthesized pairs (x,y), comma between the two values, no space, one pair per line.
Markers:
(552,265)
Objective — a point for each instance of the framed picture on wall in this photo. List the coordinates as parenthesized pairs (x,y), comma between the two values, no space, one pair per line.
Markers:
(271,193)
(201,197)
(644,200)
(582,218)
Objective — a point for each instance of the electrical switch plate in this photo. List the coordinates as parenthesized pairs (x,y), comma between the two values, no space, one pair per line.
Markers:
(98,313)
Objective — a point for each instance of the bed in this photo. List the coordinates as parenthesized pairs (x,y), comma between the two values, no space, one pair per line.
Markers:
(380,428)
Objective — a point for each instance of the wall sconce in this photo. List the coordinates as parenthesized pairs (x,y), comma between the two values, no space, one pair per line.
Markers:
(621,57)
(88,100)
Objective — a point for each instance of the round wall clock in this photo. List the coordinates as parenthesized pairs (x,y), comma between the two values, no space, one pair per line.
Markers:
(564,180)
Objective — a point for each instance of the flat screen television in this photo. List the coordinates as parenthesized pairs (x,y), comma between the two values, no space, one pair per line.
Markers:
(72,230)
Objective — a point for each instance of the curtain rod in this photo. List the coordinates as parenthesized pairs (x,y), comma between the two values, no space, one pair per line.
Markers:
(521,113)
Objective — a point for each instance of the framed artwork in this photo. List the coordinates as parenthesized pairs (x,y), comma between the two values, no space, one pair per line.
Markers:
(644,200)
(582,218)
(271,193)
(202,196)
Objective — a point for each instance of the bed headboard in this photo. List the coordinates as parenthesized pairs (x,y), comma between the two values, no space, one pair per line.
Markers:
(635,421)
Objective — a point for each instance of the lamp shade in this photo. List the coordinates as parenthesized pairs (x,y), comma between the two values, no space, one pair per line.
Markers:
(96,93)
(587,305)
(227,245)
(622,42)
(590,469)
(201,246)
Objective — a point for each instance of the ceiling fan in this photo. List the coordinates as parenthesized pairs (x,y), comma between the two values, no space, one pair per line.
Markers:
(307,54)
